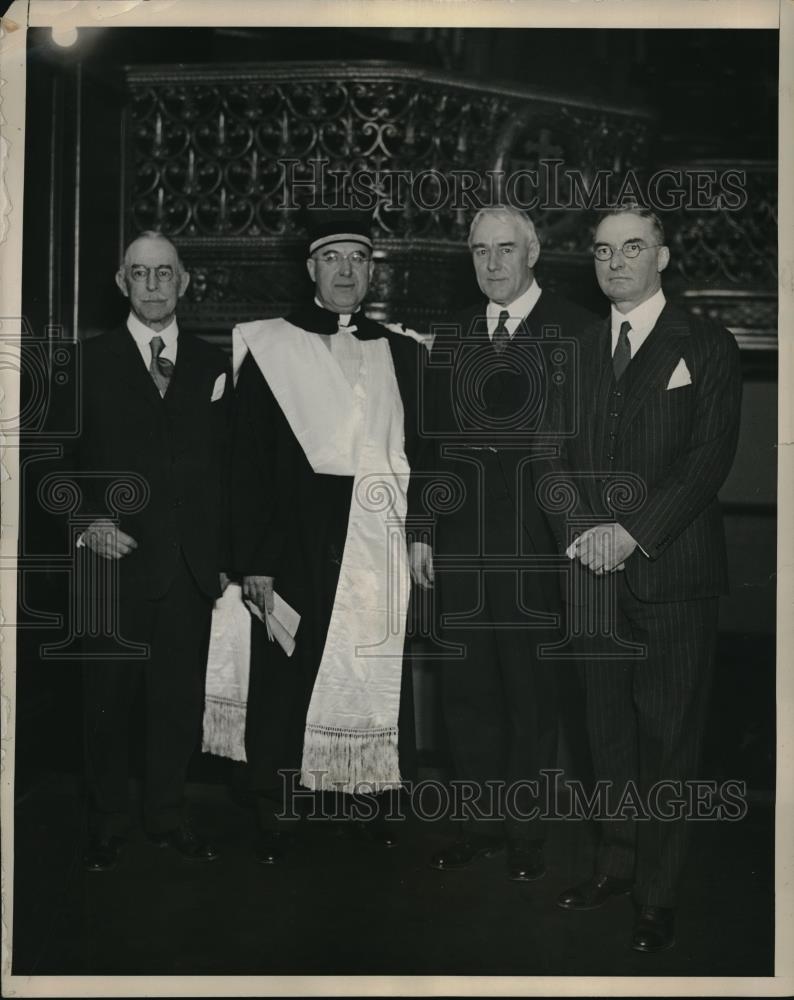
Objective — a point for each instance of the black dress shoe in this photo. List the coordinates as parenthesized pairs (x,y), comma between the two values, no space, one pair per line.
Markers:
(272,845)
(185,842)
(653,929)
(525,862)
(593,893)
(462,853)
(102,853)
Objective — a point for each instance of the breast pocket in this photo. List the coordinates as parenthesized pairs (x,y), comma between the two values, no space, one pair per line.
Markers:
(672,415)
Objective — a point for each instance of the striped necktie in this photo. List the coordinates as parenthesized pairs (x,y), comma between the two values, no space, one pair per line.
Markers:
(501,338)
(161,369)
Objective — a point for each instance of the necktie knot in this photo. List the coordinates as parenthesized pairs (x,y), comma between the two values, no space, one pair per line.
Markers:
(501,338)
(622,355)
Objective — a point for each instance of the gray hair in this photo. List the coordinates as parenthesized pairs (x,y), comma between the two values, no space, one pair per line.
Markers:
(503,212)
(151,234)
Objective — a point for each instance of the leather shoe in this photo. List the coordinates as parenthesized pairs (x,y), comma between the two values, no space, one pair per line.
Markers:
(593,893)
(653,929)
(185,842)
(462,853)
(102,853)
(272,845)
(525,862)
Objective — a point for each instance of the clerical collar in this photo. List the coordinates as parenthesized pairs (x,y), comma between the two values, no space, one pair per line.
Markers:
(343,319)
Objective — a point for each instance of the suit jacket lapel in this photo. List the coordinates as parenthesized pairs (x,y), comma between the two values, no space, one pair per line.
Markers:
(601,364)
(130,368)
(654,360)
(186,382)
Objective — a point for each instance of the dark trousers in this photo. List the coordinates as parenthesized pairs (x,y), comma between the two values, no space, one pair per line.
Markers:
(176,629)
(500,708)
(645,720)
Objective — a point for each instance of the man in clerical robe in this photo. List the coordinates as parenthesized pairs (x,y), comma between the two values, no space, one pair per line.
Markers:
(324,435)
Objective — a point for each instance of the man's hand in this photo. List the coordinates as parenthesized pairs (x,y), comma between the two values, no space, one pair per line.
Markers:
(603,548)
(420,561)
(259,589)
(108,540)
(224,581)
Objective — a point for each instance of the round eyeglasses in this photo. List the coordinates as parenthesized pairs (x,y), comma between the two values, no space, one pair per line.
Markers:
(164,273)
(630,250)
(356,257)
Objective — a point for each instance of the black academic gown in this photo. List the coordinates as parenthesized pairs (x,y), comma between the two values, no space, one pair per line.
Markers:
(290,523)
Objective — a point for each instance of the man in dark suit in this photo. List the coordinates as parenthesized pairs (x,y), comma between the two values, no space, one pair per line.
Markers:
(153,421)
(657,409)
(499,602)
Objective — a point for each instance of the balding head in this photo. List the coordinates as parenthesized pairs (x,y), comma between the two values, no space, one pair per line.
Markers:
(153,278)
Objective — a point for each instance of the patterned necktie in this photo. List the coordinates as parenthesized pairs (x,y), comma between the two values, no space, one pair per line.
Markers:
(161,369)
(622,355)
(501,338)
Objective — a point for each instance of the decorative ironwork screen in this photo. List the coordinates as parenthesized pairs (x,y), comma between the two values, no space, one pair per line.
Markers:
(221,158)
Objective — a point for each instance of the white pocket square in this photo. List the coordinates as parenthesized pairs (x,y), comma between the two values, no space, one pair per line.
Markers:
(217,389)
(680,376)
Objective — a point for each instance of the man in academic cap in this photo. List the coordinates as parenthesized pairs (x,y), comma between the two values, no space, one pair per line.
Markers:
(324,436)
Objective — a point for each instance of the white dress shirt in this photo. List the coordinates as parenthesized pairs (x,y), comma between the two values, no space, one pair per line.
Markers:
(518,310)
(642,318)
(142,335)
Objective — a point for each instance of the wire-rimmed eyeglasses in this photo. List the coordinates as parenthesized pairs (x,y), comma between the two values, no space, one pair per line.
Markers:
(356,257)
(163,273)
(630,250)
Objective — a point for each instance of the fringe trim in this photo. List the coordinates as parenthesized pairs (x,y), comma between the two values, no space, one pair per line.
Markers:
(344,760)
(224,728)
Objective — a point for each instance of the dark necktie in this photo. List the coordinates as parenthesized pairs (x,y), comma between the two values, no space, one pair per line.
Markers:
(501,338)
(622,355)
(161,369)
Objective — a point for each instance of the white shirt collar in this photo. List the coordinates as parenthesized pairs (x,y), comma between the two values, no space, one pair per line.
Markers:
(142,334)
(518,310)
(642,317)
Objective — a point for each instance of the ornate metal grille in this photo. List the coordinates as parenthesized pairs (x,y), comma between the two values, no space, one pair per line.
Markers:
(221,157)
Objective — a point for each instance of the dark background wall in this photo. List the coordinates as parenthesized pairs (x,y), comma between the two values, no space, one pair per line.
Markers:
(704,106)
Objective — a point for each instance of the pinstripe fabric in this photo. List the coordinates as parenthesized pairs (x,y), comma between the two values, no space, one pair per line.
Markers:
(679,442)
(645,717)
(644,722)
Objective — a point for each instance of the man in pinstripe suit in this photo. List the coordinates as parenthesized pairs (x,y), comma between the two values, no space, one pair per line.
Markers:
(657,410)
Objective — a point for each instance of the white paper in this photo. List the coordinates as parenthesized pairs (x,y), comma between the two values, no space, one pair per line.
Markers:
(281,624)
